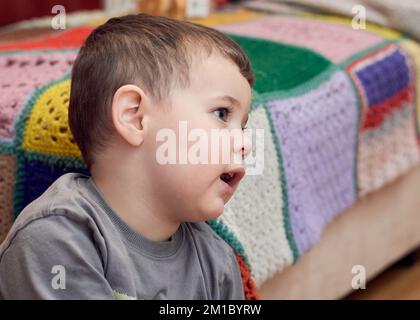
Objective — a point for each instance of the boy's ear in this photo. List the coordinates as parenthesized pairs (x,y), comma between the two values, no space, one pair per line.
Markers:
(128,106)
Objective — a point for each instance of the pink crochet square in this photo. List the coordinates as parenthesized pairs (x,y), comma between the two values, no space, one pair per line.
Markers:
(21,75)
(334,41)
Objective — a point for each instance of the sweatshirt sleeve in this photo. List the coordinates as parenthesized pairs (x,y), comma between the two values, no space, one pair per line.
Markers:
(53,257)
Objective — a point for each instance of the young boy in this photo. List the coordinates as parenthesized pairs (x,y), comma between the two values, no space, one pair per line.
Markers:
(135,229)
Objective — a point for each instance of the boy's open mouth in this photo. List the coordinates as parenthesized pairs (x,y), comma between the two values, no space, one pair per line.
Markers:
(232,177)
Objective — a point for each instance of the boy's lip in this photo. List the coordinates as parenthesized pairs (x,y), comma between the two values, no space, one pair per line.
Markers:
(236,176)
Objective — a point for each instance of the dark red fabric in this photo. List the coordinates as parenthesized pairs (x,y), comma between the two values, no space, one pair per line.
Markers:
(17,10)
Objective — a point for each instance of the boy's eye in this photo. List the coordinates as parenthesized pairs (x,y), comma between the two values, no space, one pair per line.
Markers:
(222,113)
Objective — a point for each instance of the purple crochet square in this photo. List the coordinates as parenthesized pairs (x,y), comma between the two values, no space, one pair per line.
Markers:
(21,75)
(317,136)
(383,78)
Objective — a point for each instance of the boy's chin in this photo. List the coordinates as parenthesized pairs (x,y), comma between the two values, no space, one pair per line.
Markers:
(210,211)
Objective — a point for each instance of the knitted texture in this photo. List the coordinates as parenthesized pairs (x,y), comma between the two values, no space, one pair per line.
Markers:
(334,41)
(23,73)
(225,233)
(40,175)
(255,213)
(383,32)
(413,50)
(336,106)
(320,175)
(250,291)
(47,129)
(388,140)
(274,71)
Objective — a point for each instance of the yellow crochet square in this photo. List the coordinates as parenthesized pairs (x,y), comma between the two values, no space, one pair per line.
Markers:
(47,129)
(413,50)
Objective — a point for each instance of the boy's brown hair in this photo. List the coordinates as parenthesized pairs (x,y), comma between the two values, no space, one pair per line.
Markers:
(152,52)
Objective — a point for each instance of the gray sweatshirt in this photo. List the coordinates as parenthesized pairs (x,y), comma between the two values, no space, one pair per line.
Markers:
(70,244)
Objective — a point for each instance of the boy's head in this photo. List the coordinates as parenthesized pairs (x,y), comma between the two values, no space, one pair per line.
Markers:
(139,74)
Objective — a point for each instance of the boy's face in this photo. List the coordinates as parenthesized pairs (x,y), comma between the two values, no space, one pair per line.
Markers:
(198,192)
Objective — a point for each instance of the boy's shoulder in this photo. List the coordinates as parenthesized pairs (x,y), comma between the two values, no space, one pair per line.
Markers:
(206,236)
(63,200)
(65,193)
(68,204)
(220,261)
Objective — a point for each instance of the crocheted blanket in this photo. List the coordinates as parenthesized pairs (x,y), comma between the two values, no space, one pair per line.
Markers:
(338,107)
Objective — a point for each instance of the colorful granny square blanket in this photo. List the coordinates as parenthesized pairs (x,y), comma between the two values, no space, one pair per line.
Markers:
(339,109)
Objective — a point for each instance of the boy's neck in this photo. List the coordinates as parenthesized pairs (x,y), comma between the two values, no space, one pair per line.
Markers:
(133,205)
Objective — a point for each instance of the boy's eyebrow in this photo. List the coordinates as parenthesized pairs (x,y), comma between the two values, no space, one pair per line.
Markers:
(229,98)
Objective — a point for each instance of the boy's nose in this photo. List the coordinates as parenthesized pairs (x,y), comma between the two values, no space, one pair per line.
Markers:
(243,148)
(247,146)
